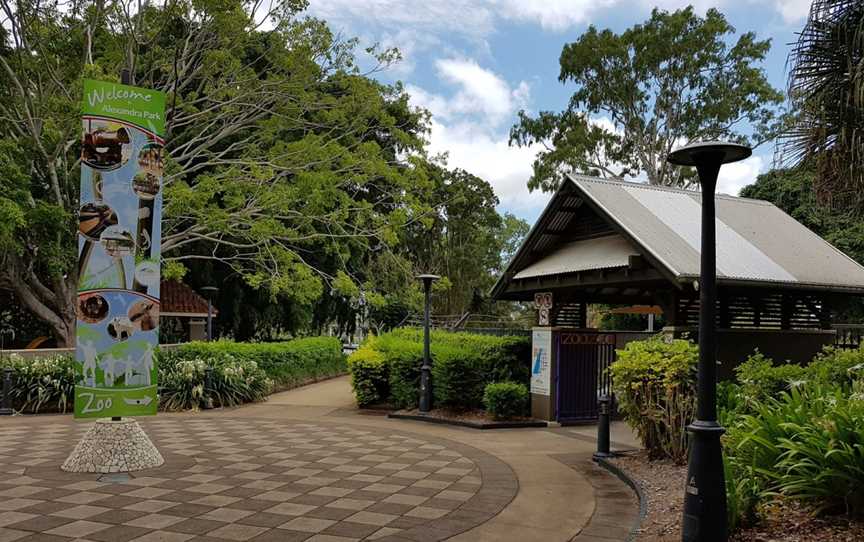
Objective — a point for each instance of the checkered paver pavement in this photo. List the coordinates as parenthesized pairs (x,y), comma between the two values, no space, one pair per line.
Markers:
(250,479)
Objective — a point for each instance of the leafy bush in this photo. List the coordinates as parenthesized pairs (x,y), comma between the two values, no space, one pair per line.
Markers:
(742,495)
(463,363)
(42,384)
(505,400)
(760,377)
(234,381)
(369,376)
(807,444)
(836,367)
(654,381)
(288,364)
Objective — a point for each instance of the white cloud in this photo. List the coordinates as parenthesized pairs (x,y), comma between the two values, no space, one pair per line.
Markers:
(488,156)
(480,94)
(733,177)
(793,11)
(557,15)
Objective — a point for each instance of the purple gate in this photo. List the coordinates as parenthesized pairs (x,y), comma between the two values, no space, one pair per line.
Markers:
(582,378)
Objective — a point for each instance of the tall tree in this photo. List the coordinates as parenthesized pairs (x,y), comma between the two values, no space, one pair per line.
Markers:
(826,86)
(674,79)
(282,155)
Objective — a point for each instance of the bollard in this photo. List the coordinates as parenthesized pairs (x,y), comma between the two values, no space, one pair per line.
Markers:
(6,406)
(603,429)
(208,385)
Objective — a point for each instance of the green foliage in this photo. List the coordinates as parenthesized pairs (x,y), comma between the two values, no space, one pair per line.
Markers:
(234,380)
(760,378)
(837,368)
(288,364)
(370,377)
(742,495)
(807,444)
(827,94)
(654,382)
(45,384)
(463,363)
(506,400)
(677,76)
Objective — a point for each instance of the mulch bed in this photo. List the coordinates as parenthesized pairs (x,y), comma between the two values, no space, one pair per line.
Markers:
(662,484)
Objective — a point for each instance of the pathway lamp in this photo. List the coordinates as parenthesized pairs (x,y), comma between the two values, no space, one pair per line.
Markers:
(705,490)
(426,368)
(209,291)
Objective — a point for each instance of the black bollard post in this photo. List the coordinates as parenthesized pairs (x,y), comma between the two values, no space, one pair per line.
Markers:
(603,429)
(6,408)
(208,385)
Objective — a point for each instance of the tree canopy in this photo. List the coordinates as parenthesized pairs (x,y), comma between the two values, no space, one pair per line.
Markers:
(291,174)
(672,80)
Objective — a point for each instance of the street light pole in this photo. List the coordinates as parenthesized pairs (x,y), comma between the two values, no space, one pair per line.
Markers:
(705,491)
(426,368)
(210,291)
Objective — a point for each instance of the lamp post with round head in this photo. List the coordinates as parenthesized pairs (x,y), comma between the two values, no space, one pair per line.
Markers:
(209,291)
(705,490)
(426,368)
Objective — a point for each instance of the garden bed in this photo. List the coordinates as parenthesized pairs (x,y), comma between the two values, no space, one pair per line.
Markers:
(476,419)
(662,482)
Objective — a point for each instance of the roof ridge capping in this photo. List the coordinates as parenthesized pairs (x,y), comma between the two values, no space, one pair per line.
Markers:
(579,178)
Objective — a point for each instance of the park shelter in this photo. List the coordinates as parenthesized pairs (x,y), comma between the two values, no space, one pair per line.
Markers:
(614,242)
(184,311)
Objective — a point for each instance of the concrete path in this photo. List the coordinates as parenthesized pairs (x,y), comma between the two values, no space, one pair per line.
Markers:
(556,499)
(308,465)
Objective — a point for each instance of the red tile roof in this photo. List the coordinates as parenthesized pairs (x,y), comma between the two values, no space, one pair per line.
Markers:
(178,297)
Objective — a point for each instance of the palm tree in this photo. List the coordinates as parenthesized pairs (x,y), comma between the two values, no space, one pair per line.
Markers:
(826,88)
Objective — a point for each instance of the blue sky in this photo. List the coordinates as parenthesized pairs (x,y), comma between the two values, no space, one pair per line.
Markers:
(475,63)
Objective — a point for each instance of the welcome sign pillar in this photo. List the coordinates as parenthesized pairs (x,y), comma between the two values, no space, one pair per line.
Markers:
(119,237)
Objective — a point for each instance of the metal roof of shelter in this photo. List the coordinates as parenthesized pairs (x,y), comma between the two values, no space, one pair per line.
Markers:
(757,243)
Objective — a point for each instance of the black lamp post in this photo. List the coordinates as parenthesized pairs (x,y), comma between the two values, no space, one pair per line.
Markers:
(426,368)
(209,291)
(705,492)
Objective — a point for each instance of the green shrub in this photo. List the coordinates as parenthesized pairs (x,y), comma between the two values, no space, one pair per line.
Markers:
(742,495)
(42,384)
(234,381)
(759,377)
(807,444)
(463,363)
(289,364)
(506,400)
(654,381)
(836,367)
(370,377)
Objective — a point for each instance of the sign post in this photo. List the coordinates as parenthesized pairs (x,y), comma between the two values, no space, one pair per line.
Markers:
(119,235)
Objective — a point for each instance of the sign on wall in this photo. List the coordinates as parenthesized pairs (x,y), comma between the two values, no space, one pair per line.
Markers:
(119,236)
(541,361)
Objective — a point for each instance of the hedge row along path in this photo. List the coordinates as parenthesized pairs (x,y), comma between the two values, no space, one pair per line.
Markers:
(303,466)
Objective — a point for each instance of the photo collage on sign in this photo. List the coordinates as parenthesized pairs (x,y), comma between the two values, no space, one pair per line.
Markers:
(118,265)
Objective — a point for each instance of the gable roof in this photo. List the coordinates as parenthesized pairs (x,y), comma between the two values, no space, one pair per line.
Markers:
(179,298)
(757,243)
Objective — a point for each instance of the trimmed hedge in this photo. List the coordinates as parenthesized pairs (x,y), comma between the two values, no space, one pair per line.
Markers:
(387,368)
(506,400)
(242,372)
(288,364)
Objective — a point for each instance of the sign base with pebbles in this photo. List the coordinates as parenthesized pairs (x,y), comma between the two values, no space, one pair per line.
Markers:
(113,446)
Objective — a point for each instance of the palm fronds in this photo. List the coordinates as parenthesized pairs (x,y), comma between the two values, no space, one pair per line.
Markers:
(826,88)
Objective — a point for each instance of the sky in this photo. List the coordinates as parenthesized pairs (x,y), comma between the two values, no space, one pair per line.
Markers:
(476,63)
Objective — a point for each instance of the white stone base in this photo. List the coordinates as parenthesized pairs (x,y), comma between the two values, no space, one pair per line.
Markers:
(113,446)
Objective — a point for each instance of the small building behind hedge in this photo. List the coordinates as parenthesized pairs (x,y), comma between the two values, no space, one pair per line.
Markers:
(615,242)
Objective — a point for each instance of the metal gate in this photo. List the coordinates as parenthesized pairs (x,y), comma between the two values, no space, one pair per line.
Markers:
(582,360)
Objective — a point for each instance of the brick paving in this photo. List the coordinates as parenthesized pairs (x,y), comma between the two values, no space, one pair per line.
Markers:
(240,479)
